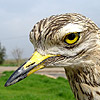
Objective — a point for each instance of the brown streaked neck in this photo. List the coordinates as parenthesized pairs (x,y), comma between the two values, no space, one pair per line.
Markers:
(84,82)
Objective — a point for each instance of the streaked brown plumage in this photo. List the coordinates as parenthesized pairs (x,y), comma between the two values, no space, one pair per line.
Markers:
(84,72)
(80,59)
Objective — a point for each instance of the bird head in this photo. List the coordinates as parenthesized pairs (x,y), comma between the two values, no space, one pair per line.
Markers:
(60,40)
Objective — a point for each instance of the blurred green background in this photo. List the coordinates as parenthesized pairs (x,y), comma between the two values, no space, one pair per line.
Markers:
(36,87)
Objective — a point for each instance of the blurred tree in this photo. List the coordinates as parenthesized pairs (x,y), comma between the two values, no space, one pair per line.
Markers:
(2,54)
(17,54)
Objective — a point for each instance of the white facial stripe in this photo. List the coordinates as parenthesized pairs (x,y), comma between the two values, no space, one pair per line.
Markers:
(71,27)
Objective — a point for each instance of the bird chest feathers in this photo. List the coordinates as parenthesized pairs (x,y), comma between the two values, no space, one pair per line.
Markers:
(84,81)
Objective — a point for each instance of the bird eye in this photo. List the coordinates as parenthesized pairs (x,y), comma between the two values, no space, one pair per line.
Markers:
(72,38)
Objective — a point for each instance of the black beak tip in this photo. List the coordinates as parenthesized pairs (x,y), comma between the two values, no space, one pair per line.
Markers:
(17,76)
(6,84)
(13,79)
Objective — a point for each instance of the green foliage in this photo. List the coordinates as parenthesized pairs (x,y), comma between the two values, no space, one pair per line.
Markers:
(2,54)
(36,87)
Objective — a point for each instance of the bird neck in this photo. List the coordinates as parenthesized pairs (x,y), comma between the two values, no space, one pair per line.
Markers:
(84,82)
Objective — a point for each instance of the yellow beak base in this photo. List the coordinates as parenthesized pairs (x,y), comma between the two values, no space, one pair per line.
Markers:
(36,59)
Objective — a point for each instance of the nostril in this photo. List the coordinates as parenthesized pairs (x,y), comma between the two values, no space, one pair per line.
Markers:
(30,64)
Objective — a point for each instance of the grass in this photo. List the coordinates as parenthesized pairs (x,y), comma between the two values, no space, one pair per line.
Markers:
(36,87)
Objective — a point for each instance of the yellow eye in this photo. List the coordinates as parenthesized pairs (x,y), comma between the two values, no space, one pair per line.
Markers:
(72,38)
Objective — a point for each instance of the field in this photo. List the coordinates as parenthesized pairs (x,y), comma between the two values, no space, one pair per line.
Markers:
(36,87)
(12,62)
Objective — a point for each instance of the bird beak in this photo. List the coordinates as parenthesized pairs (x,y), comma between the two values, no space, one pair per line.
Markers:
(35,63)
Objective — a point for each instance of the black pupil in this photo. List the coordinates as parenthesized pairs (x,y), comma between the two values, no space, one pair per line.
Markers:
(71,36)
